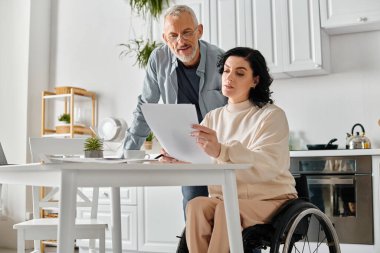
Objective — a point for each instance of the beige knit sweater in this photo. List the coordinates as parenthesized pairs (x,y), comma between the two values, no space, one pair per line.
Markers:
(258,136)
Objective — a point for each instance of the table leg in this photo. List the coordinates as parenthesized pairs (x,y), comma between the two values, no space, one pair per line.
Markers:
(116,220)
(67,212)
(231,205)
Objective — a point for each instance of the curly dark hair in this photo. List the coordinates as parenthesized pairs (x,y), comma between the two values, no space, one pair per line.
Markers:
(261,94)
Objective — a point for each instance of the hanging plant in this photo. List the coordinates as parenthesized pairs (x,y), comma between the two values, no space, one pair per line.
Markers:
(153,7)
(141,49)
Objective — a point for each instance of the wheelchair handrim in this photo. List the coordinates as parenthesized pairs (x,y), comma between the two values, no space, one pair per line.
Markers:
(316,212)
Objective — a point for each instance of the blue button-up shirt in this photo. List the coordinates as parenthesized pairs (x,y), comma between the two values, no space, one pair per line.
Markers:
(161,82)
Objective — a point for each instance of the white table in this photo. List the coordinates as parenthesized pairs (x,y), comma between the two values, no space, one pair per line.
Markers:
(70,176)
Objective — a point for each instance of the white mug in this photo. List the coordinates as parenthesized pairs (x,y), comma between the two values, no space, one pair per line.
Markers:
(135,154)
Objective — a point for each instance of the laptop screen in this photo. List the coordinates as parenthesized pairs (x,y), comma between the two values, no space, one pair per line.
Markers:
(3,160)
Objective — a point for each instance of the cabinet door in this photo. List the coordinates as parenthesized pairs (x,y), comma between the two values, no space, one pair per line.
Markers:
(342,16)
(302,44)
(160,218)
(263,31)
(227,27)
(128,226)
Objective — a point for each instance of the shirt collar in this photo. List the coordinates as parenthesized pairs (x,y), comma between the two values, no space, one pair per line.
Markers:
(238,107)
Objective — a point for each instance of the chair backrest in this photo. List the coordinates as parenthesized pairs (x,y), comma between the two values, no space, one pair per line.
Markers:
(41,146)
(3,160)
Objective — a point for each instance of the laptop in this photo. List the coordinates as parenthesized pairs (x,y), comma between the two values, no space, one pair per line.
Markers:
(3,160)
(45,146)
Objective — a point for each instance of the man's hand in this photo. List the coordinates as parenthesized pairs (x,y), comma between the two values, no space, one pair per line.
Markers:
(207,140)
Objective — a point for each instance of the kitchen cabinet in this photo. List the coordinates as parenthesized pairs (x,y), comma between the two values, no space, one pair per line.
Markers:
(128,200)
(288,34)
(347,16)
(250,23)
(151,219)
(305,47)
(160,218)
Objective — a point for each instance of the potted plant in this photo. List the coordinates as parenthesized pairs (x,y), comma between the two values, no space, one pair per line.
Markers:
(64,117)
(64,127)
(93,147)
(148,144)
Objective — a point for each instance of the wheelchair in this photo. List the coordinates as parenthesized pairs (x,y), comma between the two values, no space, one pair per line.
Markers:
(298,226)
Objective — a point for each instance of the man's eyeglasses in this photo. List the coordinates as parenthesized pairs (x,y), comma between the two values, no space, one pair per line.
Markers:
(185,36)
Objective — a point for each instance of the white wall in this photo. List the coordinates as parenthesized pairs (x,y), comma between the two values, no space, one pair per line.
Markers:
(24,72)
(14,47)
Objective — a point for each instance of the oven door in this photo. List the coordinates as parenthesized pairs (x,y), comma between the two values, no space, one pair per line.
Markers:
(347,201)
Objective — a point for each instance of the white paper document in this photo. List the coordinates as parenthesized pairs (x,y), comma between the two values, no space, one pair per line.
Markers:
(171,124)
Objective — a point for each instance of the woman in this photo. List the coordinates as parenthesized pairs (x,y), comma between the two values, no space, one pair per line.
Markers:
(249,129)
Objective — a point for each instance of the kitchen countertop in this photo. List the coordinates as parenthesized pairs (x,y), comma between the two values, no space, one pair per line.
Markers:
(336,152)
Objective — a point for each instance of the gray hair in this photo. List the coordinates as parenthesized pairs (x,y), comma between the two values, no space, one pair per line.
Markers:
(177,10)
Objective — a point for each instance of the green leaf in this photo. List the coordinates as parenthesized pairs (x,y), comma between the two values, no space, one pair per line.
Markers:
(93,143)
(140,49)
(150,137)
(151,7)
(65,117)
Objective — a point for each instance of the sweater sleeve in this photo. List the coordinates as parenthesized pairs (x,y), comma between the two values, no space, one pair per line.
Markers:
(267,150)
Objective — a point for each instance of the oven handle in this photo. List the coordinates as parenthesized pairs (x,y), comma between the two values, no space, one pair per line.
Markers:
(349,181)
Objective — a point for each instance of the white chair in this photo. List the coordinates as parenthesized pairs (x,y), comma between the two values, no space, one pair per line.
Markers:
(46,228)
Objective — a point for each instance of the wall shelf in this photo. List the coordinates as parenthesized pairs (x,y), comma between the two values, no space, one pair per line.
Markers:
(69,99)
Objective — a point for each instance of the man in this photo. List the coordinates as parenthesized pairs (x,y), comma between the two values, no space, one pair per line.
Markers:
(183,71)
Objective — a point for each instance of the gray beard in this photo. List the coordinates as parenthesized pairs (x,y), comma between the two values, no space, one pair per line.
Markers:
(189,58)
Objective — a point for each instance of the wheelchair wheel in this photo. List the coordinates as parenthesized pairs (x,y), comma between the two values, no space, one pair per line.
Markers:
(311,231)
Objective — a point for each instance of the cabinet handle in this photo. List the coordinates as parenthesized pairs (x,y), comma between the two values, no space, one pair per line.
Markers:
(106,194)
(363,19)
(331,181)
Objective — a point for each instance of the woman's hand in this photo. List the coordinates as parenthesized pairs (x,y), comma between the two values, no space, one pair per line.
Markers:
(166,158)
(207,140)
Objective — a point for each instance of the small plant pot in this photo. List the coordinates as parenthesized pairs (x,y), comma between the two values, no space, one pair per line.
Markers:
(93,154)
(62,129)
(148,145)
